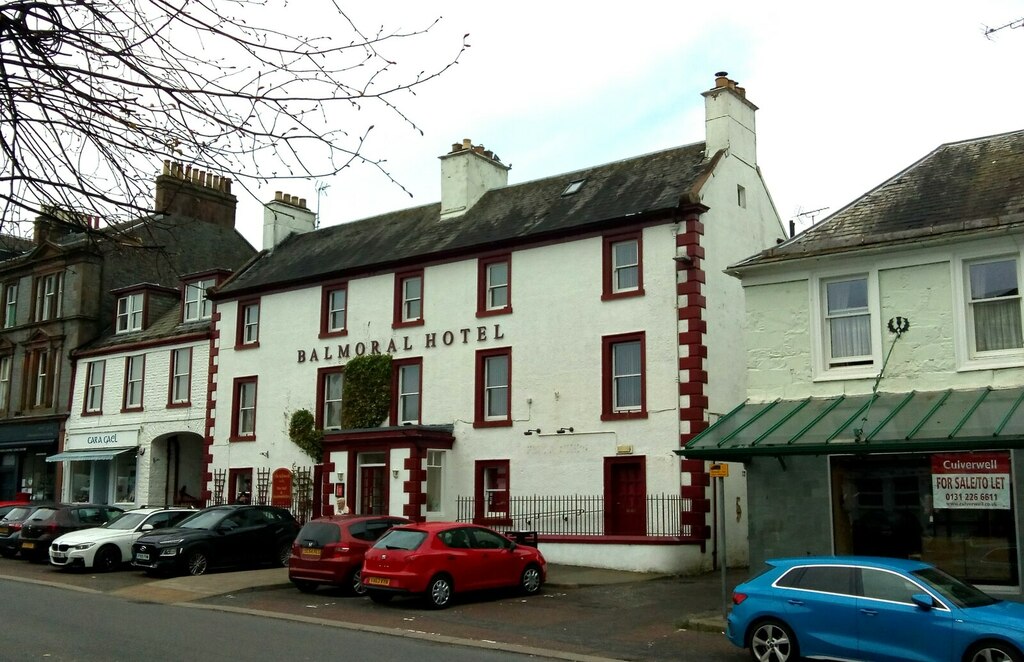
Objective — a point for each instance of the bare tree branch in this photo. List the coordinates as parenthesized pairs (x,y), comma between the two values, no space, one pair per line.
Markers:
(97,93)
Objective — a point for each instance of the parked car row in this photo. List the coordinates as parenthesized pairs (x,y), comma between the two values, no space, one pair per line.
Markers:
(380,556)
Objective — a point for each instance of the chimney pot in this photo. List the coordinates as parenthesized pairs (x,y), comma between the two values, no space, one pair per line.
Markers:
(722,79)
(466,143)
(279,196)
(302,203)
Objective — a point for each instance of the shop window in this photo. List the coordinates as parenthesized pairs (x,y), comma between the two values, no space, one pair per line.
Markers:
(129,313)
(435,481)
(240,485)
(49,297)
(624,390)
(94,387)
(196,305)
(243,415)
(993,307)
(623,266)
(248,325)
(10,304)
(81,481)
(134,375)
(407,385)
(124,478)
(494,286)
(408,299)
(181,377)
(329,392)
(493,405)
(334,310)
(492,492)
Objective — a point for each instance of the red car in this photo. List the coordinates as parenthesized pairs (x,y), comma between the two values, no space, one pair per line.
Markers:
(329,550)
(436,559)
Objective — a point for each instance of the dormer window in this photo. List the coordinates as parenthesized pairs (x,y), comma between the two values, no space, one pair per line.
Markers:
(129,313)
(197,306)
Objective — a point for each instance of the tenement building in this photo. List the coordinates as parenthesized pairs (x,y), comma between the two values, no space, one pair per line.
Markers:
(527,356)
(886,373)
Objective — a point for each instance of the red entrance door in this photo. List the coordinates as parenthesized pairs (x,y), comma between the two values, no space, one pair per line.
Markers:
(372,491)
(625,496)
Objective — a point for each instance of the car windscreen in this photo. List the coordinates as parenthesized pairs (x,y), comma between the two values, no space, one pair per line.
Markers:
(408,539)
(125,522)
(318,534)
(959,593)
(43,514)
(18,514)
(204,519)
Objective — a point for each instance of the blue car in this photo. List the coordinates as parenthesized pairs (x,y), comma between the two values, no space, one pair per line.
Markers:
(878,609)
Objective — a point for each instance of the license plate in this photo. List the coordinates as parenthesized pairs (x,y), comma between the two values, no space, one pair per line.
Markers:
(28,545)
(310,553)
(142,557)
(4,531)
(377,581)
(59,555)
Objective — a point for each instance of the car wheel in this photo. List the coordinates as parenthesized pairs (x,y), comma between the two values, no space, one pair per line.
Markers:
(305,586)
(993,651)
(355,582)
(439,592)
(380,597)
(196,563)
(773,641)
(284,554)
(107,559)
(529,582)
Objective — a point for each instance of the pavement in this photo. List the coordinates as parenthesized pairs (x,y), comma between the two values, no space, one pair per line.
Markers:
(699,604)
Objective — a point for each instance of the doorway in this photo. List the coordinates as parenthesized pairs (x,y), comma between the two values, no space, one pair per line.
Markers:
(625,496)
(373,488)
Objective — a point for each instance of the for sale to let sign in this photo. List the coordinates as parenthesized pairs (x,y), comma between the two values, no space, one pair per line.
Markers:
(971,480)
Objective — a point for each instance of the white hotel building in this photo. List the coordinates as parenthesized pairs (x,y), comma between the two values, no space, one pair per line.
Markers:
(552,343)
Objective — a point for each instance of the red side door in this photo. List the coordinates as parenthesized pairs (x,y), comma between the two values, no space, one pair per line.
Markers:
(625,497)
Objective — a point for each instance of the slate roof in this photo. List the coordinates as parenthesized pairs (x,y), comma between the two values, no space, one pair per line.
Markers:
(165,330)
(623,191)
(962,187)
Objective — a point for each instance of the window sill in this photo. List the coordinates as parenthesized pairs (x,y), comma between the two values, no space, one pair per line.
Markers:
(333,334)
(179,405)
(503,423)
(991,363)
(402,325)
(834,375)
(131,410)
(622,415)
(235,437)
(628,294)
(497,311)
(251,345)
(98,412)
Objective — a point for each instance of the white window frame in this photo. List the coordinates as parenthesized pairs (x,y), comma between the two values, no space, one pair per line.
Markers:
(197,306)
(498,391)
(134,380)
(434,489)
(407,391)
(967,358)
(181,372)
(336,308)
(251,323)
(616,268)
(820,346)
(11,305)
(49,297)
(408,301)
(129,313)
(6,363)
(494,287)
(246,411)
(330,402)
(42,367)
(616,376)
(94,387)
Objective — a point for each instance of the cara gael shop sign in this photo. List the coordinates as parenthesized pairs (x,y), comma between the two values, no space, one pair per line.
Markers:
(971,480)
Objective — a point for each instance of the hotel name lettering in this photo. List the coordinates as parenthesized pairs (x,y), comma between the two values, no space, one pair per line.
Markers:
(431,340)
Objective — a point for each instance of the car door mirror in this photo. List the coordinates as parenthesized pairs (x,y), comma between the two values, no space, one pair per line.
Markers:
(923,601)
(146,527)
(227,526)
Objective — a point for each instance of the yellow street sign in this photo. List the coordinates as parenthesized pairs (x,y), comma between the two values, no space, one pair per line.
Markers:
(720,470)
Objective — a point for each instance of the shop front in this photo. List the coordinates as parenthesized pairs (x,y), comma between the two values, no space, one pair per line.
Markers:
(100,467)
(23,470)
(930,476)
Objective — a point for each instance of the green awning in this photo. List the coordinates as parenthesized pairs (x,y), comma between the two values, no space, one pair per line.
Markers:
(89,455)
(930,421)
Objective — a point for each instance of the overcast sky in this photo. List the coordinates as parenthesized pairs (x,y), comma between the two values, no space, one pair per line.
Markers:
(849,93)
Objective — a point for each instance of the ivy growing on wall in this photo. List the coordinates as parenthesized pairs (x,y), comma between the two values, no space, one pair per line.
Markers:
(302,431)
(366,396)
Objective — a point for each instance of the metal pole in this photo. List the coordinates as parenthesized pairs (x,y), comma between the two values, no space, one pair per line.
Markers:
(721,545)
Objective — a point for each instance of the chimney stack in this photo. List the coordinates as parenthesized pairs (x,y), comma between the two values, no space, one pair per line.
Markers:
(467,172)
(729,120)
(184,191)
(284,215)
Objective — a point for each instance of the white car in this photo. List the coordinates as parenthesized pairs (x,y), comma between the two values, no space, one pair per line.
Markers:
(107,547)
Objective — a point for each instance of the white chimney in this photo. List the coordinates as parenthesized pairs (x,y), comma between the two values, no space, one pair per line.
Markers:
(729,120)
(283,216)
(467,172)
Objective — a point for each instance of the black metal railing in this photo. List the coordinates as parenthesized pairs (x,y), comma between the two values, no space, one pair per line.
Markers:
(575,515)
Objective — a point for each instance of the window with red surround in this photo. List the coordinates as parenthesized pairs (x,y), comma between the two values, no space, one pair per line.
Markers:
(179,388)
(492,493)
(334,310)
(247,327)
(408,299)
(406,391)
(623,266)
(623,376)
(243,409)
(493,406)
(134,379)
(329,385)
(494,286)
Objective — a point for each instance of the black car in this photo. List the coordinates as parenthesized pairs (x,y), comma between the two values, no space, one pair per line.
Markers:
(47,523)
(219,537)
(10,528)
